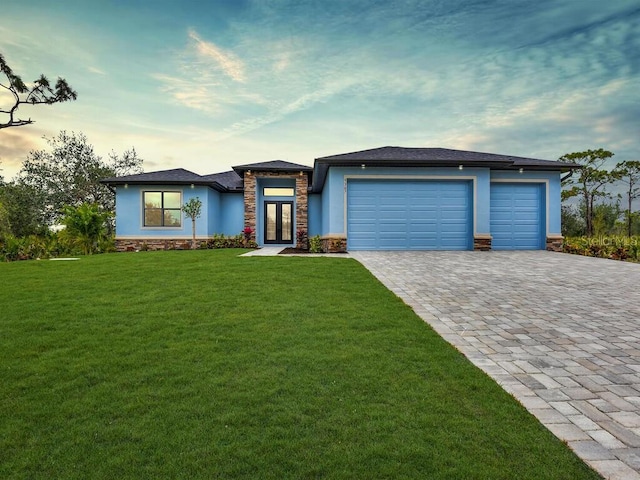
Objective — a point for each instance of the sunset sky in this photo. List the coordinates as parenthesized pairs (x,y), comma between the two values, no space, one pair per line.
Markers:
(205,85)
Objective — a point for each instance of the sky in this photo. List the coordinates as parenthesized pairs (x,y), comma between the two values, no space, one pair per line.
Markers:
(205,85)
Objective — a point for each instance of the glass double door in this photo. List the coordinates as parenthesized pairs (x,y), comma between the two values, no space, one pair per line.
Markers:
(278,222)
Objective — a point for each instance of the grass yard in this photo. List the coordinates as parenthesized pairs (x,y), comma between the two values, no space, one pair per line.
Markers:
(203,364)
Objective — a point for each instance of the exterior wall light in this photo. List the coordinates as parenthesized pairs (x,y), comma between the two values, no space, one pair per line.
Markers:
(126,185)
(193,186)
(460,167)
(362,166)
(521,170)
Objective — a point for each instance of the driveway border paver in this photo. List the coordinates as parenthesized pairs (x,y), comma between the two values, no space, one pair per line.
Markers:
(561,333)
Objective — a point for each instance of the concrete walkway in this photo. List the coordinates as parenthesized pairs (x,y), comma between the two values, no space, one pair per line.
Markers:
(559,332)
(275,251)
(263,252)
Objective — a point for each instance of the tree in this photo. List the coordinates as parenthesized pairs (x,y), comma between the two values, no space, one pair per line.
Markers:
(605,219)
(572,221)
(5,226)
(86,224)
(23,205)
(590,182)
(628,172)
(192,210)
(40,92)
(70,174)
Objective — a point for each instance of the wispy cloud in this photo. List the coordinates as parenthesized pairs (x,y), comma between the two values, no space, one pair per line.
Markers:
(270,83)
(227,61)
(449,74)
(276,114)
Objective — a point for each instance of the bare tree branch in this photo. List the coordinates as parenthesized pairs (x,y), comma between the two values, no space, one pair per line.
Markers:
(41,92)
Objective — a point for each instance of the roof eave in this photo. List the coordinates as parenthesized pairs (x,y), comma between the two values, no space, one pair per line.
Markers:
(322,165)
(117,181)
(248,168)
(538,168)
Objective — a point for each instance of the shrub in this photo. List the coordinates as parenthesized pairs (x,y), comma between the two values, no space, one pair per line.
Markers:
(86,225)
(315,244)
(615,247)
(237,241)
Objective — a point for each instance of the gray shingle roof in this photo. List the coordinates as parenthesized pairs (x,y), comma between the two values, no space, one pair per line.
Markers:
(432,155)
(273,165)
(429,157)
(177,175)
(383,156)
(230,180)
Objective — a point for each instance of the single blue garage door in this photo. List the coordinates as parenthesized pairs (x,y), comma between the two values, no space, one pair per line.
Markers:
(409,215)
(518,216)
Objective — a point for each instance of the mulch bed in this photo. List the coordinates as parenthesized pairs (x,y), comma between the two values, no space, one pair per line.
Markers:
(298,251)
(290,250)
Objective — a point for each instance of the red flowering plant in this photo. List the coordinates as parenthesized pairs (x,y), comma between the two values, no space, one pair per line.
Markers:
(301,237)
(247,233)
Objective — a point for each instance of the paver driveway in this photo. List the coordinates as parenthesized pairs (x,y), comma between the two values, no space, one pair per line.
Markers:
(559,332)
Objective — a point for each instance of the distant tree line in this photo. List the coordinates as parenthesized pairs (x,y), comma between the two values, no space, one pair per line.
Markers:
(52,181)
(55,187)
(598,211)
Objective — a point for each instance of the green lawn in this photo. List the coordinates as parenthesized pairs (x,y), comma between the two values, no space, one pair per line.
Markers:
(203,364)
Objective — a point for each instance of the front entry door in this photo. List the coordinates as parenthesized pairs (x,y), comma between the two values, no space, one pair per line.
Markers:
(278,222)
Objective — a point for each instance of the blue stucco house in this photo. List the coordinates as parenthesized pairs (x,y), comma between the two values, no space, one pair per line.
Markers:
(389,198)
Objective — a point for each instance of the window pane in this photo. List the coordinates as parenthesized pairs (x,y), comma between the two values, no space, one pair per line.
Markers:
(286,222)
(172,200)
(152,199)
(153,217)
(172,218)
(271,221)
(277,192)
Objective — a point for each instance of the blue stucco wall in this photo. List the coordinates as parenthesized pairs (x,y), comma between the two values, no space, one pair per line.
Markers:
(214,212)
(129,212)
(224,212)
(314,215)
(231,214)
(202,223)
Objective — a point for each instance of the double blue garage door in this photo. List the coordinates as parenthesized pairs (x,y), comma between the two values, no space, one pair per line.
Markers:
(438,215)
(409,215)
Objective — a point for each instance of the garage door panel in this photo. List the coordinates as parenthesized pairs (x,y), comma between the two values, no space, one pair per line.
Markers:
(424,216)
(452,229)
(448,214)
(517,216)
(409,215)
(391,215)
(391,202)
(394,229)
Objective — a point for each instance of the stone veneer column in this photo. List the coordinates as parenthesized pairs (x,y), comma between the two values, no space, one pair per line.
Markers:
(555,243)
(302,200)
(250,202)
(482,242)
(302,208)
